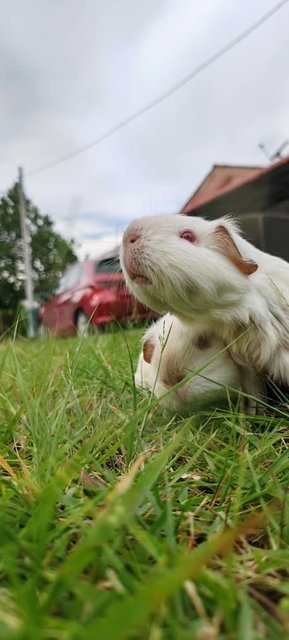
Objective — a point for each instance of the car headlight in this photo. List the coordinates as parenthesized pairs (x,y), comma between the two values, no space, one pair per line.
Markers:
(95,300)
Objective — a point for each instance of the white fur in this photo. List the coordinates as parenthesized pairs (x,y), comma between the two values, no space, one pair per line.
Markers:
(175,355)
(205,290)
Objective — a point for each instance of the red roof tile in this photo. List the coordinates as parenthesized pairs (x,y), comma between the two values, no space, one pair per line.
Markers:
(222,179)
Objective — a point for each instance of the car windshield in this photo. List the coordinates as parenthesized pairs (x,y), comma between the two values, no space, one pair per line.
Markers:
(108,265)
(62,283)
(70,278)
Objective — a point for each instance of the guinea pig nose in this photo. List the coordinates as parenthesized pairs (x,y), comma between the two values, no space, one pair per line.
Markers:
(132,238)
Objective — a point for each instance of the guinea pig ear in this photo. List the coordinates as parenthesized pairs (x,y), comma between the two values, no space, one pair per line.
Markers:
(148,350)
(227,247)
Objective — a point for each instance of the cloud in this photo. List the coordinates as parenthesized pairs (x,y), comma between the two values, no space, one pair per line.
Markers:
(91,248)
(71,70)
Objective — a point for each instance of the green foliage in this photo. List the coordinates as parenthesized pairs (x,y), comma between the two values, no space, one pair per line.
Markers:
(50,252)
(120,521)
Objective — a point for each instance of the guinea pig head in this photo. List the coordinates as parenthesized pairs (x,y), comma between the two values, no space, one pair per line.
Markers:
(186,265)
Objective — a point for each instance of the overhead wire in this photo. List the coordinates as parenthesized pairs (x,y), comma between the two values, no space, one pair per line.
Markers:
(167,94)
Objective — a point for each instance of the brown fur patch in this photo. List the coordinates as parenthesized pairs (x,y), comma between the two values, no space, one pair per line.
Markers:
(172,381)
(226,246)
(173,373)
(148,350)
(203,342)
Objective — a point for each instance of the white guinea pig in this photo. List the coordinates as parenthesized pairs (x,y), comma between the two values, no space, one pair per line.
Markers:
(171,351)
(212,279)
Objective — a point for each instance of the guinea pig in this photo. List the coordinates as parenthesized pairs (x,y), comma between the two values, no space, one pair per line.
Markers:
(171,351)
(209,277)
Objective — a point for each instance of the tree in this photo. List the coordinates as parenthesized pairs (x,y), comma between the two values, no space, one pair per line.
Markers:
(50,253)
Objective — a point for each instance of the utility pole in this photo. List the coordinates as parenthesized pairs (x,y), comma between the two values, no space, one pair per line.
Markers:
(28,282)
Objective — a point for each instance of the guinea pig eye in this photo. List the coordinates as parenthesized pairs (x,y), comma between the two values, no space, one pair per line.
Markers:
(188,235)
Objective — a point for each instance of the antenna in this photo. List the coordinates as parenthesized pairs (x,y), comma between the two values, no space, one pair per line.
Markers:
(264,150)
(277,155)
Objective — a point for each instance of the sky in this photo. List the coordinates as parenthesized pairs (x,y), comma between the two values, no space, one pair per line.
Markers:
(72,69)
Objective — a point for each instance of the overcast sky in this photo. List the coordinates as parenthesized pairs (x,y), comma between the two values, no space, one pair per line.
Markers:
(71,69)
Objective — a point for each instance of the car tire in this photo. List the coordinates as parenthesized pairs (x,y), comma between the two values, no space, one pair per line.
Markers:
(83,326)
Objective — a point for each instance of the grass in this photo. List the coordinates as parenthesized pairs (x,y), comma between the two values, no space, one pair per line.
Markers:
(119,521)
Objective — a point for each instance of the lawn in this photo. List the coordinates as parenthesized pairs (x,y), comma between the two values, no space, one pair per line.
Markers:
(120,521)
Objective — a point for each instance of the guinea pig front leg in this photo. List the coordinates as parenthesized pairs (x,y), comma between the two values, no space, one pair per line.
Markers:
(252,386)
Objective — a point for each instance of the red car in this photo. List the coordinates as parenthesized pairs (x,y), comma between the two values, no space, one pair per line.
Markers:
(90,293)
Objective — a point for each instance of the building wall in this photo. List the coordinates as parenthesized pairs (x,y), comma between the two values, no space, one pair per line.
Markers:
(281,207)
(269,231)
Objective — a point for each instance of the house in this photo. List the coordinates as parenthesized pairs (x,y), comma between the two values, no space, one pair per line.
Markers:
(258,197)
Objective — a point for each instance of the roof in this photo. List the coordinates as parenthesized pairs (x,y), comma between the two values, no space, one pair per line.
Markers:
(220,179)
(254,189)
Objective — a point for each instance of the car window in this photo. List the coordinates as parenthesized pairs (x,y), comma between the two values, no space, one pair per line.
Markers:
(74,276)
(70,278)
(62,283)
(108,265)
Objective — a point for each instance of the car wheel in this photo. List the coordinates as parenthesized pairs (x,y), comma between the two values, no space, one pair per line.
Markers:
(83,326)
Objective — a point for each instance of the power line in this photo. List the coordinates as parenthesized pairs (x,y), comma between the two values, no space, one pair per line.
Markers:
(167,94)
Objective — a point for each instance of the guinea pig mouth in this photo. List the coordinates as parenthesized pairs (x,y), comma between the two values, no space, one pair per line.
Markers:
(138,278)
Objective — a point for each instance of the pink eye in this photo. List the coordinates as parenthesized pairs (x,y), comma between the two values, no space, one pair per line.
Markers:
(189,236)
